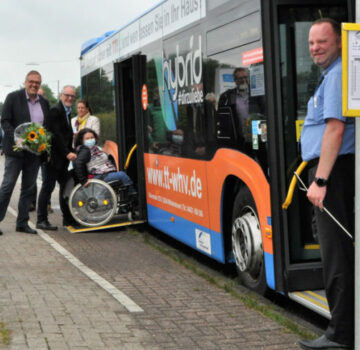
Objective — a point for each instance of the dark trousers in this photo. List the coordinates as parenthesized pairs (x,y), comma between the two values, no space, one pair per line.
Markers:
(337,249)
(42,168)
(28,166)
(51,176)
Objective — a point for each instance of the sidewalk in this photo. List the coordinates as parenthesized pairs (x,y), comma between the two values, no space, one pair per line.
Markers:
(48,303)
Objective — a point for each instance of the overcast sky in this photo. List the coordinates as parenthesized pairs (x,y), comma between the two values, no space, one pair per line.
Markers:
(51,33)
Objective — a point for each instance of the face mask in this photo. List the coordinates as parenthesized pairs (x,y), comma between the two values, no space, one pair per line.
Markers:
(90,142)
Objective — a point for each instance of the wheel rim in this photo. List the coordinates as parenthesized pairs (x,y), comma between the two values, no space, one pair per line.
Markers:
(94,205)
(247,242)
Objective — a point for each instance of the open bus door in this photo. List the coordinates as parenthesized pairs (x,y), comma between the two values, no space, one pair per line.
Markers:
(129,78)
(291,78)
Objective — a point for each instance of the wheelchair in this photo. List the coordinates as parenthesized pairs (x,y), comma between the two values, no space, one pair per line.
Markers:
(96,204)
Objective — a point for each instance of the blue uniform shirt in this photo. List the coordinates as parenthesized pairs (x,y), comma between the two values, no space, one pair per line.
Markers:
(326,103)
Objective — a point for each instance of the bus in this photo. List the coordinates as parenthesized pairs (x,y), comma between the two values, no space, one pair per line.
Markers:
(213,93)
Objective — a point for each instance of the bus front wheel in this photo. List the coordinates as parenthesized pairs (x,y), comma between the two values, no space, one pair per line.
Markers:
(247,245)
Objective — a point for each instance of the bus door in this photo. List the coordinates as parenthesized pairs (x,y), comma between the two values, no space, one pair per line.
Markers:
(129,79)
(291,78)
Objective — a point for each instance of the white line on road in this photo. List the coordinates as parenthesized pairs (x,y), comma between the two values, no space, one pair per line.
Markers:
(121,297)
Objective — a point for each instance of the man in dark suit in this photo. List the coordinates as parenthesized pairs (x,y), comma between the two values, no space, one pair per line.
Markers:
(61,154)
(242,105)
(21,106)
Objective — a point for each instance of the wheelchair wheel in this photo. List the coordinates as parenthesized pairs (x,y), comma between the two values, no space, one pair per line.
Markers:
(94,205)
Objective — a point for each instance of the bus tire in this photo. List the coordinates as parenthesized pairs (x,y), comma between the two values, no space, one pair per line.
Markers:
(246,243)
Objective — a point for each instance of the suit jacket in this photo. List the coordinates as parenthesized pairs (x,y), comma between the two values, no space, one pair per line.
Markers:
(15,112)
(62,136)
(228,98)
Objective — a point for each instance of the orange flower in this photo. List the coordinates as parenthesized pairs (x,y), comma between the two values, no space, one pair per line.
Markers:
(41,131)
(32,135)
(42,147)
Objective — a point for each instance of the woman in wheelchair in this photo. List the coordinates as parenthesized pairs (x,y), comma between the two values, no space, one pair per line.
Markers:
(102,192)
(93,162)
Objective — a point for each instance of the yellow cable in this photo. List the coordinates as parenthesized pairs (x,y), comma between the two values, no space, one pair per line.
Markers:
(290,193)
(129,156)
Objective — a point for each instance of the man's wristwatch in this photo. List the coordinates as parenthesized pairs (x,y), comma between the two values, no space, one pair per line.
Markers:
(321,182)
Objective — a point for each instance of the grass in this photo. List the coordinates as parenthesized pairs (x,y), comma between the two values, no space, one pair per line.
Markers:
(5,334)
(248,298)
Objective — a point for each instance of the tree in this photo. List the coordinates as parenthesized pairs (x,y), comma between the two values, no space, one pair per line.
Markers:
(49,95)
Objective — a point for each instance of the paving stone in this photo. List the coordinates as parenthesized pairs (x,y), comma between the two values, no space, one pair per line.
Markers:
(48,303)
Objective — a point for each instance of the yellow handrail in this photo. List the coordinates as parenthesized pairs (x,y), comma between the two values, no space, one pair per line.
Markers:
(290,193)
(129,156)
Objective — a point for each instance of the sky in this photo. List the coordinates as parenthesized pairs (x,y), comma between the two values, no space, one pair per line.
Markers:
(47,35)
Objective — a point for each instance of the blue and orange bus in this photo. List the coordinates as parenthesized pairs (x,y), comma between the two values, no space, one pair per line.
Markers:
(214,94)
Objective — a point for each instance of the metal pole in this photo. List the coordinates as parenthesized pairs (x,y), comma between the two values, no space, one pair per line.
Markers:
(357,228)
(357,217)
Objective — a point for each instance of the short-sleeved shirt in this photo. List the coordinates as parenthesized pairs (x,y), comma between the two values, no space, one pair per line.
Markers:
(326,104)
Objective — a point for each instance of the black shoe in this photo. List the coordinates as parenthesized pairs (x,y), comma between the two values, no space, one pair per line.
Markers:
(69,222)
(45,225)
(321,343)
(1,232)
(26,229)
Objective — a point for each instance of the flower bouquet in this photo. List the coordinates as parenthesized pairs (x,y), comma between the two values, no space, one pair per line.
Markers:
(33,138)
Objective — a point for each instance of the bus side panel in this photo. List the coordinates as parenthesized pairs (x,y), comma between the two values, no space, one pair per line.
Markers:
(228,162)
(178,202)
(196,236)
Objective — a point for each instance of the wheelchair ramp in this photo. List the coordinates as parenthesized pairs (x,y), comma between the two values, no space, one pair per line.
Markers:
(114,223)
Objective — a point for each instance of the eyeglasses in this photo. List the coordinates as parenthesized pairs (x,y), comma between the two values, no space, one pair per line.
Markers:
(69,96)
(34,82)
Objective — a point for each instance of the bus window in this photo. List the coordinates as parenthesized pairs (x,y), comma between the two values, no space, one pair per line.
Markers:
(180,117)
(97,89)
(240,87)
(247,29)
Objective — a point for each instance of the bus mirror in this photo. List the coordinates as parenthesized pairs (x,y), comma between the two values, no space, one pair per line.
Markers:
(225,127)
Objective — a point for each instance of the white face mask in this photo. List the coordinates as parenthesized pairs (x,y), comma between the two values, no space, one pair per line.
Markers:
(90,142)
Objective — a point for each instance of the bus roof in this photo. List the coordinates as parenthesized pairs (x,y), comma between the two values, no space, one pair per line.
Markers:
(93,42)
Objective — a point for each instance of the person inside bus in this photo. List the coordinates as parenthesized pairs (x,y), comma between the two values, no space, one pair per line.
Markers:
(84,118)
(328,145)
(242,104)
(93,162)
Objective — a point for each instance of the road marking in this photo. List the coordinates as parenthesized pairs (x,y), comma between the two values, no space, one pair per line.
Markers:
(121,297)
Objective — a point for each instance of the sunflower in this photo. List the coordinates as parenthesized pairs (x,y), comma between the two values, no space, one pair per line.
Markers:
(33,138)
(42,147)
(32,135)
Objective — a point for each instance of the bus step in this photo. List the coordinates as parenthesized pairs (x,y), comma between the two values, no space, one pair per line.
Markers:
(314,300)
